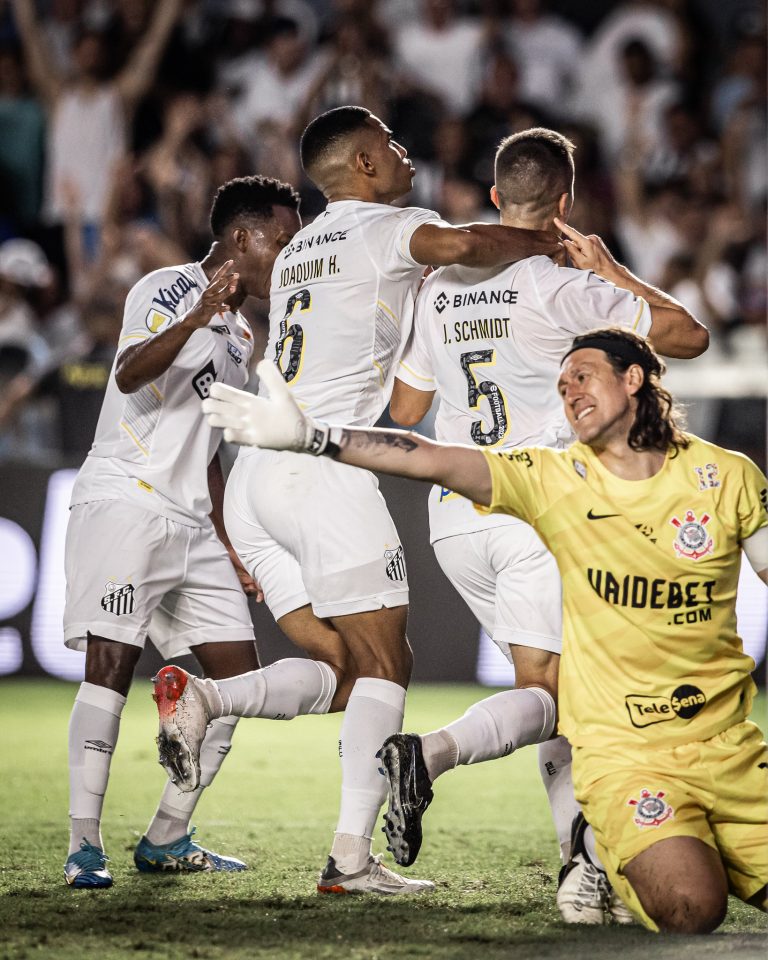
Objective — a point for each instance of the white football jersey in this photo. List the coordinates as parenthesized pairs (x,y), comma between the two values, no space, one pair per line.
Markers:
(342,301)
(154,446)
(490,343)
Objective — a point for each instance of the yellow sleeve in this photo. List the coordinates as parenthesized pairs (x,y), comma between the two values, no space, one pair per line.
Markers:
(516,481)
(752,499)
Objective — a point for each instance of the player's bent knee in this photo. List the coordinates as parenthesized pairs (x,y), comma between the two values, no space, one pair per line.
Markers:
(690,912)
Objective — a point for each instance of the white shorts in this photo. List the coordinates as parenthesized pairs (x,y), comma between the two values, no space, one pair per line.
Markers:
(309,529)
(132,573)
(511,583)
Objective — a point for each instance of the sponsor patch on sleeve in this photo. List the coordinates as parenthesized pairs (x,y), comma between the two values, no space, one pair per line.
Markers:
(156,320)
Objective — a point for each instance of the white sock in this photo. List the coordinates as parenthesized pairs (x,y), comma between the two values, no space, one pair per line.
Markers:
(171,821)
(492,728)
(589,844)
(93,729)
(555,770)
(283,690)
(373,713)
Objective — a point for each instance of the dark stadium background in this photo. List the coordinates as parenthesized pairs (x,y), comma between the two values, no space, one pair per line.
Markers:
(666,101)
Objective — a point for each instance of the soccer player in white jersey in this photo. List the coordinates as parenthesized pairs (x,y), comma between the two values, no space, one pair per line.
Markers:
(146,550)
(489,343)
(317,536)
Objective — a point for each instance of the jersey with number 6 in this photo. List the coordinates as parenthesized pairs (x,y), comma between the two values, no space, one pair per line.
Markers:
(342,300)
(490,341)
(153,446)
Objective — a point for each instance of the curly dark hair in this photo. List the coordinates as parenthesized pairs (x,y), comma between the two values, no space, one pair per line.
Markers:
(659,420)
(249,198)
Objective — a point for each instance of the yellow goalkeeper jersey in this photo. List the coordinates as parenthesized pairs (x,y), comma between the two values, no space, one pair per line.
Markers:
(650,570)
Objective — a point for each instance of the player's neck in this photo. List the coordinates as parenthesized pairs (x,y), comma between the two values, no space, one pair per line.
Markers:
(622,461)
(365,193)
(526,223)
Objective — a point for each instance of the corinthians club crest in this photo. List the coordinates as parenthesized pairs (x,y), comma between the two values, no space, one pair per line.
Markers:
(118,598)
(693,540)
(651,810)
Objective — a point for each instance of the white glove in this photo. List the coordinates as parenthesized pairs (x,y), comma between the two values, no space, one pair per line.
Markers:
(273,422)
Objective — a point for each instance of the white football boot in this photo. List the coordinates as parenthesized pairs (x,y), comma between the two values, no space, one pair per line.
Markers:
(583,890)
(184,718)
(373,878)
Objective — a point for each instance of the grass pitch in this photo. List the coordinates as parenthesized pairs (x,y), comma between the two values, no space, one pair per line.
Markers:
(489,846)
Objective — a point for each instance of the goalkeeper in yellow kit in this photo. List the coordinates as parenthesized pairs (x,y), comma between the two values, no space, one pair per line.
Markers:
(647,524)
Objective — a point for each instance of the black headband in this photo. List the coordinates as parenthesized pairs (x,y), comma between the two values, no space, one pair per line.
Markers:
(619,348)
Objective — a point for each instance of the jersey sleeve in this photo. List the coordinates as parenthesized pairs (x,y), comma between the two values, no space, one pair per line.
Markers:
(752,499)
(143,317)
(416,368)
(516,482)
(393,243)
(580,300)
(147,313)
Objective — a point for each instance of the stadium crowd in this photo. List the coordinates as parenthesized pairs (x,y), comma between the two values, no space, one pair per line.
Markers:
(119,118)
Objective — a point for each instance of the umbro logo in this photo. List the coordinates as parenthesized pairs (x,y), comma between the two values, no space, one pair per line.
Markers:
(99,746)
(441,302)
(600,516)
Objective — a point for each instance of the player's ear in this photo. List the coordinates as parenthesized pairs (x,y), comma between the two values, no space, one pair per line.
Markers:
(634,377)
(240,237)
(495,197)
(565,205)
(364,163)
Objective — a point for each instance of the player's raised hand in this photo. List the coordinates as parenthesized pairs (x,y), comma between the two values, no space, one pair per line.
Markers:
(274,422)
(214,298)
(587,253)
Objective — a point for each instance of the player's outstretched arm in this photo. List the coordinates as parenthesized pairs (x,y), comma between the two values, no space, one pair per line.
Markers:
(277,423)
(144,362)
(480,244)
(675,332)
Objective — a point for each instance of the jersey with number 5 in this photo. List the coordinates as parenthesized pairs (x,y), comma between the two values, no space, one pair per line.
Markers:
(490,343)
(342,300)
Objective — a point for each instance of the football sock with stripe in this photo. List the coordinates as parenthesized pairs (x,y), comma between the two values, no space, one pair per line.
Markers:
(93,729)
(555,770)
(373,713)
(492,728)
(171,821)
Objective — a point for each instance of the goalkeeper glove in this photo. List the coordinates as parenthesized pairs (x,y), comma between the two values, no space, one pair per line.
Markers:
(274,422)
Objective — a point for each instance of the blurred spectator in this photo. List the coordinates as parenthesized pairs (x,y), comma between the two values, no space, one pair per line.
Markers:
(633,105)
(355,71)
(656,23)
(442,53)
(278,87)
(177,169)
(76,384)
(682,151)
(88,112)
(547,51)
(23,268)
(22,129)
(499,113)
(743,82)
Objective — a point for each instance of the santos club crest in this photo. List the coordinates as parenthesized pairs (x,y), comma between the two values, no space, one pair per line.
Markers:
(118,598)
(651,810)
(693,540)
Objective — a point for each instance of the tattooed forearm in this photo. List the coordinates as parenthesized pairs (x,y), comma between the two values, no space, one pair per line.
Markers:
(368,439)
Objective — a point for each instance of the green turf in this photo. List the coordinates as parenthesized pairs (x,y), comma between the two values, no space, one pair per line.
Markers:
(489,846)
